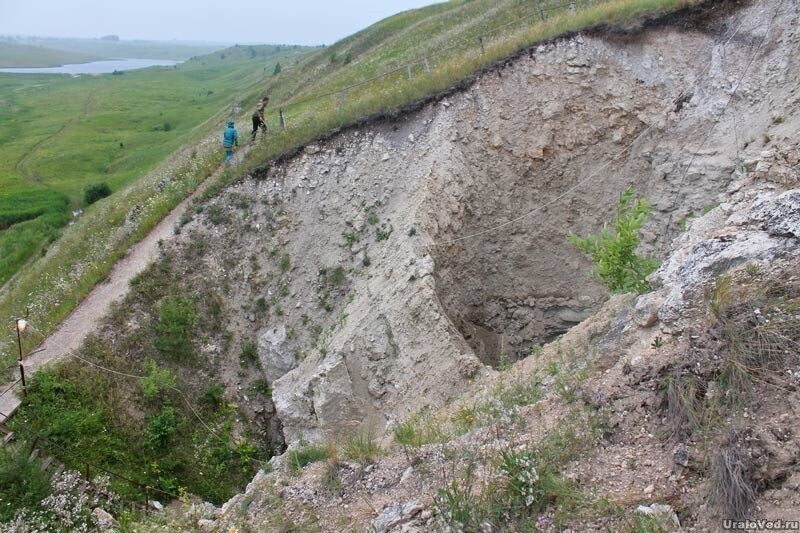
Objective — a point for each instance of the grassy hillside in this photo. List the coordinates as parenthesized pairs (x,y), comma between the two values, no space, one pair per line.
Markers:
(414,54)
(108,129)
(23,55)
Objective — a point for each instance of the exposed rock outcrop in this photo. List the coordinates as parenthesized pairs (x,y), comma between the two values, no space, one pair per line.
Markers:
(420,249)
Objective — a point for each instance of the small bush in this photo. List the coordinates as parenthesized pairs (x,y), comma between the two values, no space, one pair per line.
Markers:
(457,507)
(614,251)
(261,386)
(175,327)
(95,191)
(214,396)
(351,237)
(161,428)
(384,232)
(250,354)
(156,381)
(732,490)
(407,435)
(285,263)
(336,276)
(24,483)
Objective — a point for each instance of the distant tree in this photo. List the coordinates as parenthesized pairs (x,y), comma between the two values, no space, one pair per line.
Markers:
(95,191)
(277,69)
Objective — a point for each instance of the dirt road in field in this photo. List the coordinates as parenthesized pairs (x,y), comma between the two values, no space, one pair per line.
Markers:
(74,329)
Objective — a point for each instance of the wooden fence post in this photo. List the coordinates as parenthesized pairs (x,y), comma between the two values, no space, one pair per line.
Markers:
(427,65)
(483,49)
(410,77)
(284,125)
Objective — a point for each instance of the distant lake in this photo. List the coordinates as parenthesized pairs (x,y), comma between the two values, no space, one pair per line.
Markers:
(95,67)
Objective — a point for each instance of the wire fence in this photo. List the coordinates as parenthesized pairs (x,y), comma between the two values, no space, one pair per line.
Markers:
(90,467)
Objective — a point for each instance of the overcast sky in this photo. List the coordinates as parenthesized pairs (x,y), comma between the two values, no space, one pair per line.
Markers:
(237,21)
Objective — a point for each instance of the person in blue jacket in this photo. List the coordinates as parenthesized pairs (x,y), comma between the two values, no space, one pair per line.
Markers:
(230,139)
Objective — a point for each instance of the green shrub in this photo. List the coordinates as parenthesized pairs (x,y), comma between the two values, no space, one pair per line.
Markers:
(156,381)
(285,263)
(214,396)
(261,386)
(250,354)
(175,327)
(23,481)
(95,191)
(384,232)
(336,276)
(614,251)
(457,506)
(161,427)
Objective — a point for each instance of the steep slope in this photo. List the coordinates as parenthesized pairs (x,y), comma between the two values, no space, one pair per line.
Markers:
(382,273)
(418,301)
(410,252)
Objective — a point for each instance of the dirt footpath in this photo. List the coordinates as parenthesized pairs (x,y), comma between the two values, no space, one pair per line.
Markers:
(74,329)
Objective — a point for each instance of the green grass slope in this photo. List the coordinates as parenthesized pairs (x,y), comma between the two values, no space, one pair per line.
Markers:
(58,134)
(410,56)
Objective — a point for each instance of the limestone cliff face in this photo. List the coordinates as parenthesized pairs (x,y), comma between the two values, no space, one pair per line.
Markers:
(380,270)
(535,149)
(401,257)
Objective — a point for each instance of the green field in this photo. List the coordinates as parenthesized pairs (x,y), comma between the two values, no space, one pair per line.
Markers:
(58,134)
